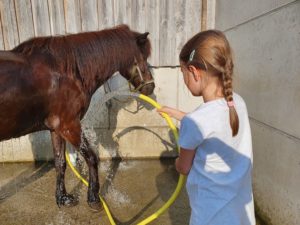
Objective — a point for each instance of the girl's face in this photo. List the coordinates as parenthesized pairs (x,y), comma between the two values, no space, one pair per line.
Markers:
(192,80)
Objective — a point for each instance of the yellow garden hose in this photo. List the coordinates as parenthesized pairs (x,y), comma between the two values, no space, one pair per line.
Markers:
(87,184)
(180,183)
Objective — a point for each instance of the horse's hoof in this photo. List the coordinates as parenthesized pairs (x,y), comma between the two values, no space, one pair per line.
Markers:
(96,206)
(66,200)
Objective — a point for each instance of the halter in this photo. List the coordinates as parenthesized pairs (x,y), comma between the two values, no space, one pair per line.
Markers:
(143,82)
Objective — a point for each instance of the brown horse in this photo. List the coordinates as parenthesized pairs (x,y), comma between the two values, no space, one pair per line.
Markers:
(46,83)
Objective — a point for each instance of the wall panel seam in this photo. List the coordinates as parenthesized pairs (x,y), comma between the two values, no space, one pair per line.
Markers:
(262,124)
(17,22)
(261,15)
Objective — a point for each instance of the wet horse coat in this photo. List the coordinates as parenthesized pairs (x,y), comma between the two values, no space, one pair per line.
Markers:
(46,83)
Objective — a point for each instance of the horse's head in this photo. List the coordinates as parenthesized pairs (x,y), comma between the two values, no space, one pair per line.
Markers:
(138,73)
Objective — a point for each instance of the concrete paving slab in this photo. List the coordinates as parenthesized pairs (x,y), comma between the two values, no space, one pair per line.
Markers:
(133,190)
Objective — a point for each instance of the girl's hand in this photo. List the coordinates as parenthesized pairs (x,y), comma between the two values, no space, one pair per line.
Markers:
(174,113)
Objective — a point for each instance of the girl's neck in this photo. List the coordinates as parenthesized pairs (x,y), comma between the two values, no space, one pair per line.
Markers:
(212,91)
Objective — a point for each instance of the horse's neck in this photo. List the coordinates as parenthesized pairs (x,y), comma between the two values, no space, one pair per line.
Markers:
(94,69)
(92,84)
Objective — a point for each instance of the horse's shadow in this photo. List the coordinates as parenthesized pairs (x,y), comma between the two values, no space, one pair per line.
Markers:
(107,138)
(34,171)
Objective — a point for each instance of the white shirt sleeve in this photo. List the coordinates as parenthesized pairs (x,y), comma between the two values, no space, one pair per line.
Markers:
(190,135)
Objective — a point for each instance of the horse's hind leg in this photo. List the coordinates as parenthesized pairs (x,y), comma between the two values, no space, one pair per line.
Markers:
(62,198)
(74,134)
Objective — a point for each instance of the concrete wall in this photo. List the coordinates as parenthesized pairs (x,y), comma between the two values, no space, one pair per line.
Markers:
(123,127)
(265,38)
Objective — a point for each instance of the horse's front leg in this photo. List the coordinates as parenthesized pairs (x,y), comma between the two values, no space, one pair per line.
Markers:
(74,134)
(59,144)
(92,162)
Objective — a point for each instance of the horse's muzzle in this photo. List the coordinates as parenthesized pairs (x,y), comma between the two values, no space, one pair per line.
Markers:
(147,88)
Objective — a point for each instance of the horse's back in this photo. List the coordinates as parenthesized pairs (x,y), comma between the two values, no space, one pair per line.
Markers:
(13,69)
(31,90)
(22,98)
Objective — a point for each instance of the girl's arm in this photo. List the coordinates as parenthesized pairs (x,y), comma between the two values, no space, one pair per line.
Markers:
(186,156)
(174,113)
(185,161)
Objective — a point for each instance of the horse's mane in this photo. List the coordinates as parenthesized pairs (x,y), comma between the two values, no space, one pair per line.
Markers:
(91,52)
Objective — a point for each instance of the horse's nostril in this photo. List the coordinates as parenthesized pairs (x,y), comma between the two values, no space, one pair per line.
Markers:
(148,89)
(152,86)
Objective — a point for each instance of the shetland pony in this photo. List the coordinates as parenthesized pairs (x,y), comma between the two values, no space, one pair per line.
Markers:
(46,83)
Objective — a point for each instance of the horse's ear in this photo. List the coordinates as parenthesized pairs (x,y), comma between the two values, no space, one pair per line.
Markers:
(141,39)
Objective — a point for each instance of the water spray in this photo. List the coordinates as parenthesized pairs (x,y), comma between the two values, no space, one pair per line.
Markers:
(181,180)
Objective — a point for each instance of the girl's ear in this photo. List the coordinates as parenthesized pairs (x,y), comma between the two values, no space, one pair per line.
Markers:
(191,68)
(196,72)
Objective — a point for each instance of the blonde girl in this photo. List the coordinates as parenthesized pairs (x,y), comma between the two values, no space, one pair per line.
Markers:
(215,139)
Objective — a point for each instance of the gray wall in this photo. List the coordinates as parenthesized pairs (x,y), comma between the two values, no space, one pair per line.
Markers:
(265,36)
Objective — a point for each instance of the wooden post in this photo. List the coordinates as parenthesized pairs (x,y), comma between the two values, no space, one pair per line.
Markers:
(204,15)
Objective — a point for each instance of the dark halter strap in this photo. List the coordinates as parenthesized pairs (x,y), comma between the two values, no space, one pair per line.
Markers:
(143,82)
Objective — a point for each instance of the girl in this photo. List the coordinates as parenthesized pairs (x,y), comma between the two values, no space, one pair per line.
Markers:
(215,139)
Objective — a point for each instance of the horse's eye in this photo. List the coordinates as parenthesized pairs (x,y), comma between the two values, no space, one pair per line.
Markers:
(143,69)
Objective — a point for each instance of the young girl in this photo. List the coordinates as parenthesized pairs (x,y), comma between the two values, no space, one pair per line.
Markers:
(215,139)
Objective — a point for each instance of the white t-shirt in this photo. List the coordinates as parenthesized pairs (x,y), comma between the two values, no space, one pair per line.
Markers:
(219,183)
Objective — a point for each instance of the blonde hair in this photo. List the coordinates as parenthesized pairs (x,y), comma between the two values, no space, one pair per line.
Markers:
(210,51)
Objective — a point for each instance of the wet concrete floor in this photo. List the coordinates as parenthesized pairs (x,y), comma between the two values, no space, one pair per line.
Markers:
(133,190)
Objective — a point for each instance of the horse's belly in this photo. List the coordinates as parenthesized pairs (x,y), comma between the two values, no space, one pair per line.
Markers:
(15,132)
(16,127)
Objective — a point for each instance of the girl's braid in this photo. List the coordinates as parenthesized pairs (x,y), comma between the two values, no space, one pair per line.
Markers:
(227,80)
